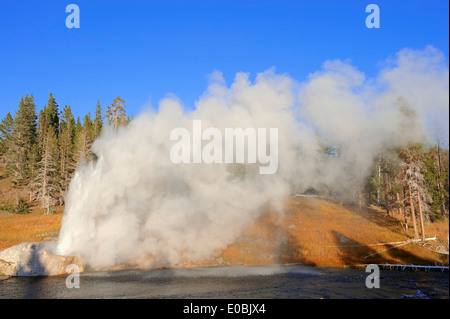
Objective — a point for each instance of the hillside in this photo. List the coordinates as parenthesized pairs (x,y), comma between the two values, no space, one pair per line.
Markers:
(320,232)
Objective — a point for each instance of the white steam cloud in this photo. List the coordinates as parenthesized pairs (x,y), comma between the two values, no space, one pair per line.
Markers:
(135,206)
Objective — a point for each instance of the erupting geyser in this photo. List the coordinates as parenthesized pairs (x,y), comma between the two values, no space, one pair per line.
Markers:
(135,206)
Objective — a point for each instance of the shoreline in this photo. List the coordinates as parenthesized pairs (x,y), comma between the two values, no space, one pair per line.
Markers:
(313,232)
(384,266)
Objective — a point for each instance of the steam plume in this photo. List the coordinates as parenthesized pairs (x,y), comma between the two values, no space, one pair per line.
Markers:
(134,205)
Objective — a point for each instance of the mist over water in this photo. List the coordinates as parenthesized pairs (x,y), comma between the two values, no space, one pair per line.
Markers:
(133,205)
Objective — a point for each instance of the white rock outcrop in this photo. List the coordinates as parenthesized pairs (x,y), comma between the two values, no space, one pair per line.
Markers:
(35,259)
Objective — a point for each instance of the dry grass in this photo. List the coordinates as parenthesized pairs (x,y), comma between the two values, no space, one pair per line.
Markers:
(16,229)
(323,233)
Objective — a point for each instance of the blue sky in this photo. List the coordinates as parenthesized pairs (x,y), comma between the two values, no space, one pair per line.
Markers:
(144,50)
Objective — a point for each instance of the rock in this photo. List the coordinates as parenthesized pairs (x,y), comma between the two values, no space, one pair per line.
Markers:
(35,259)
(5,269)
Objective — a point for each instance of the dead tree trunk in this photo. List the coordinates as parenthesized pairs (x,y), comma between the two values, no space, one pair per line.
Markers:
(442,207)
(400,212)
(405,216)
(359,196)
(413,214)
(378,181)
(386,199)
(421,216)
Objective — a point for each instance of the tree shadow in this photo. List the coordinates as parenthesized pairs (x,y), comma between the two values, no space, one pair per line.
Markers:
(290,251)
(344,251)
(374,216)
(354,253)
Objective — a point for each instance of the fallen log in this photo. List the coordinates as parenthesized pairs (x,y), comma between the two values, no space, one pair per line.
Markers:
(408,267)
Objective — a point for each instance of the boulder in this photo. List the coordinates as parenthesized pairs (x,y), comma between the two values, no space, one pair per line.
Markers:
(36,259)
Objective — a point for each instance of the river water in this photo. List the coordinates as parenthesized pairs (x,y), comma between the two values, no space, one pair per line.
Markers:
(256,282)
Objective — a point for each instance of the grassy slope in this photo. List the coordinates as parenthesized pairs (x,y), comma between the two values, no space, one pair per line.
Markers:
(323,233)
(16,229)
(311,231)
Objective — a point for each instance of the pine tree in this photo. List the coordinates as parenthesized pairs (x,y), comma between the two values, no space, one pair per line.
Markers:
(6,131)
(38,148)
(89,126)
(23,136)
(41,129)
(115,113)
(414,170)
(34,160)
(84,141)
(434,181)
(78,126)
(66,149)
(445,176)
(98,123)
(51,114)
(46,180)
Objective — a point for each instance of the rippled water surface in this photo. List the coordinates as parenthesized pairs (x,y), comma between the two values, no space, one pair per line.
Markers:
(282,282)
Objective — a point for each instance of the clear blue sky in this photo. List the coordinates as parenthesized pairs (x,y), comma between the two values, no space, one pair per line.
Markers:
(143,50)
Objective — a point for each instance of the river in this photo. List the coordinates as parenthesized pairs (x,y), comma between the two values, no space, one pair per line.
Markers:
(256,282)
